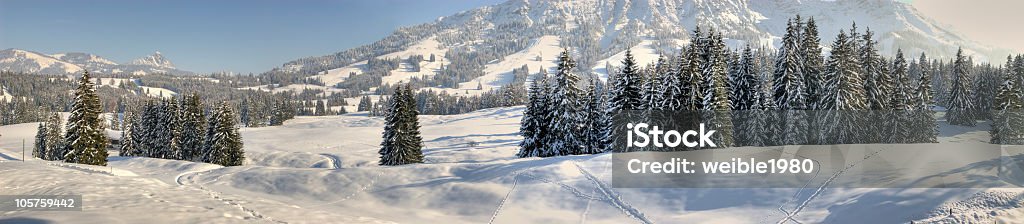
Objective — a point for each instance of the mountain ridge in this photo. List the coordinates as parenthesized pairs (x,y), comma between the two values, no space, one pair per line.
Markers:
(598,29)
(19,60)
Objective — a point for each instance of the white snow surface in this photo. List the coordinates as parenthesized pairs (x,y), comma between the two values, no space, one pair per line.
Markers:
(323,170)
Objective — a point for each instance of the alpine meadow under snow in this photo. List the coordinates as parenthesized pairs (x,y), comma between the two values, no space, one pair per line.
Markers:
(510,114)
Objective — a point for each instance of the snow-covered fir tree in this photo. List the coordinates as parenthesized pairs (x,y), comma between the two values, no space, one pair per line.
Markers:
(789,89)
(925,128)
(1008,119)
(693,76)
(129,143)
(746,99)
(672,93)
(959,105)
(534,123)
(225,145)
(813,63)
(651,89)
(86,142)
(595,118)
(716,92)
(39,149)
(402,143)
(55,137)
(899,120)
(842,95)
(746,82)
(193,125)
(566,112)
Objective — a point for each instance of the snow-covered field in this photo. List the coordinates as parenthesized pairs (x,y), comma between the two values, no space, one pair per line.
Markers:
(323,170)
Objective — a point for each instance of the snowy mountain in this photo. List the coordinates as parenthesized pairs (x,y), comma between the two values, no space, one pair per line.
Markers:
(75,62)
(155,60)
(596,30)
(34,62)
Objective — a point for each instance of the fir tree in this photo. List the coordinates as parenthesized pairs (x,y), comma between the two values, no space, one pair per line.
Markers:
(533,123)
(39,148)
(812,63)
(85,138)
(672,93)
(595,118)
(225,145)
(1007,119)
(55,137)
(926,130)
(959,104)
(566,111)
(746,82)
(193,125)
(789,90)
(402,144)
(899,119)
(716,92)
(626,90)
(320,110)
(129,143)
(842,95)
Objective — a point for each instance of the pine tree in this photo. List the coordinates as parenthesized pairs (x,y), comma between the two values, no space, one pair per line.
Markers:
(211,154)
(320,110)
(39,148)
(626,90)
(790,89)
(746,82)
(899,103)
(193,125)
(652,94)
(595,118)
(746,90)
(364,104)
(566,112)
(224,145)
(533,122)
(402,143)
(129,144)
(813,63)
(1007,119)
(172,115)
(842,95)
(55,137)
(925,128)
(85,138)
(959,104)
(672,93)
(716,92)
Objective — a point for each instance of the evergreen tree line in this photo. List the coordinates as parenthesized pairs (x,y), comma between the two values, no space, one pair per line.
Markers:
(182,128)
(792,95)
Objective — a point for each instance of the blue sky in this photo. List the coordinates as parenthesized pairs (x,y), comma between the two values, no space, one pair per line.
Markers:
(207,36)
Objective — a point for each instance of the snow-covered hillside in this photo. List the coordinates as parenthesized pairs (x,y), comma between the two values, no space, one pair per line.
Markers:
(611,26)
(28,61)
(73,63)
(324,169)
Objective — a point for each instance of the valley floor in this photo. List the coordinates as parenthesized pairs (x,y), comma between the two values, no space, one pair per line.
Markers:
(324,170)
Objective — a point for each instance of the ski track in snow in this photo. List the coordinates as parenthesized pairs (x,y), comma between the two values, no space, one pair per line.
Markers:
(613,197)
(358,191)
(189,175)
(334,159)
(791,216)
(515,181)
